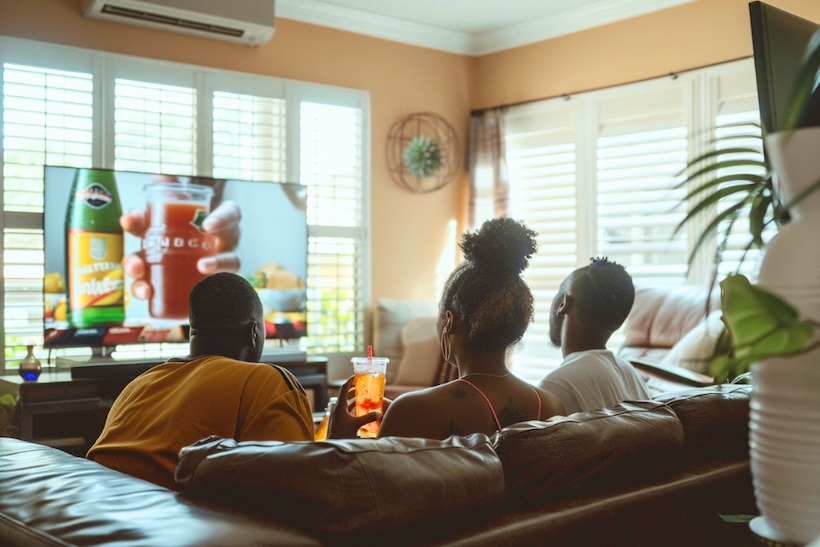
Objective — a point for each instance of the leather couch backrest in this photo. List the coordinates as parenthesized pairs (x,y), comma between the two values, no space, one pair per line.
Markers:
(715,421)
(661,316)
(340,487)
(588,450)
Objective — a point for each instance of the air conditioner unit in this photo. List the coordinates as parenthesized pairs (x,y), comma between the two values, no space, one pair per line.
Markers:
(241,21)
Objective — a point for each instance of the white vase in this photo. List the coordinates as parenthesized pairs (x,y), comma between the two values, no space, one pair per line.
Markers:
(784,425)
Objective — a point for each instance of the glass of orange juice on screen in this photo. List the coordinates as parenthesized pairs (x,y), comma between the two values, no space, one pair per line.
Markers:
(368,375)
(174,243)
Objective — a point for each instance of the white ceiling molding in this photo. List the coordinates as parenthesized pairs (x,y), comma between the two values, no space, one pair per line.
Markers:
(566,22)
(551,22)
(378,26)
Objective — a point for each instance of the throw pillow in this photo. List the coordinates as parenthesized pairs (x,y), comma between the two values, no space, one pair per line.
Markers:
(421,353)
(389,318)
(697,346)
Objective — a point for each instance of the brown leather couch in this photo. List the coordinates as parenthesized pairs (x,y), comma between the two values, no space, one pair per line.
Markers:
(655,472)
(670,335)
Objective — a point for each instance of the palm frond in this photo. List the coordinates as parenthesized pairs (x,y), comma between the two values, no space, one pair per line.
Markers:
(804,84)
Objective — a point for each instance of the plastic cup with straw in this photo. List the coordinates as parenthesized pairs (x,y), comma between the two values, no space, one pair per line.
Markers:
(369,378)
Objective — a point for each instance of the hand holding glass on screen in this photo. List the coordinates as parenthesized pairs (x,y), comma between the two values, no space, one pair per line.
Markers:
(178,225)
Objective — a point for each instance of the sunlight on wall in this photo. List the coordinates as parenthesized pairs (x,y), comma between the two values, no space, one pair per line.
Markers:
(448,257)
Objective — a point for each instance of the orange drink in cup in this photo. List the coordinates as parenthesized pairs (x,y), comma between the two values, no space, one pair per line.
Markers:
(369,382)
(174,243)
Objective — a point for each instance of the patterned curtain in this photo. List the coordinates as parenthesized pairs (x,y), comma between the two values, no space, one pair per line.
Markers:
(489,183)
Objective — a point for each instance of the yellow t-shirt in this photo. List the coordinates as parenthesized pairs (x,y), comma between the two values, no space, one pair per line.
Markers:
(178,403)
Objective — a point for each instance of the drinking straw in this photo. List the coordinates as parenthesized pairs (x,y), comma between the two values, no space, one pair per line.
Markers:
(370,353)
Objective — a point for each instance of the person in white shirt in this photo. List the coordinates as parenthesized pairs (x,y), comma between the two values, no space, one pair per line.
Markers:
(591,304)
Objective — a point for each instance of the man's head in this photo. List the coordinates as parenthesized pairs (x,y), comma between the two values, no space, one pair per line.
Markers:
(226,318)
(591,304)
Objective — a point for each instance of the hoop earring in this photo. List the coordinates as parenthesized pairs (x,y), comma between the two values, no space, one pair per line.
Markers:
(446,347)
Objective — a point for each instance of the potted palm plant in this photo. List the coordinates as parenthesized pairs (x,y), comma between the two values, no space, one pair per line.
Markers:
(743,179)
(773,326)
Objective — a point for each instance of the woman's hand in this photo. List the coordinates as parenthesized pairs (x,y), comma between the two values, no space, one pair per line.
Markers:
(343,423)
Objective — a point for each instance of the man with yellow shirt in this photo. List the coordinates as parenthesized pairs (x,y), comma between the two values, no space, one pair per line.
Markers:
(219,389)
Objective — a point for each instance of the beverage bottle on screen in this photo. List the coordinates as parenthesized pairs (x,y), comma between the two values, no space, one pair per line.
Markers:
(321,430)
(94,251)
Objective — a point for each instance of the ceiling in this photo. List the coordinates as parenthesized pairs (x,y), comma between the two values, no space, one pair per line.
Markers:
(470,27)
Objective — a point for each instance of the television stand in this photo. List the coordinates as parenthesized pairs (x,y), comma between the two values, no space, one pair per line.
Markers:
(102,364)
(102,353)
(109,369)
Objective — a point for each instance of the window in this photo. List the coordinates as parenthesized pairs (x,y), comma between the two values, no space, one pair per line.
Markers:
(73,107)
(596,175)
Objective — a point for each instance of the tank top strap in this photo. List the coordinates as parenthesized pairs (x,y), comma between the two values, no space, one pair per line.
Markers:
(489,404)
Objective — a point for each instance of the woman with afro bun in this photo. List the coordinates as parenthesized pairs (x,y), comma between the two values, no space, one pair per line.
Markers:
(484,310)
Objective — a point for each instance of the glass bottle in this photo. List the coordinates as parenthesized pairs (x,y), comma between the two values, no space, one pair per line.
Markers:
(30,367)
(94,250)
(321,431)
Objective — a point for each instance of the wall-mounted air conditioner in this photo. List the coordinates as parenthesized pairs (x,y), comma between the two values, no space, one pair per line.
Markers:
(242,21)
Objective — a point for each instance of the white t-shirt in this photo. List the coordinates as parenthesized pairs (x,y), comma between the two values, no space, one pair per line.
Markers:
(594,379)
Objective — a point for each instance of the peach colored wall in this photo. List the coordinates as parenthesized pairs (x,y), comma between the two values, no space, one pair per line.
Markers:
(408,230)
(688,36)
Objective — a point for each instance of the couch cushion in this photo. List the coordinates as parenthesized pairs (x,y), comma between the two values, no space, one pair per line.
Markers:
(389,318)
(588,450)
(421,353)
(661,316)
(347,486)
(715,420)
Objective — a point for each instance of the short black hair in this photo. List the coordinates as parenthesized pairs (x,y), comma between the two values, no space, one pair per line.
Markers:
(486,292)
(605,294)
(224,299)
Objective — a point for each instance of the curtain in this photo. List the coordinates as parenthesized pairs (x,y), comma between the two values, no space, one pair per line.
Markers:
(489,182)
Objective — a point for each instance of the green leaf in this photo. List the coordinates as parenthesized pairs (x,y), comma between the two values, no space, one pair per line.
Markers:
(712,199)
(712,227)
(724,164)
(757,217)
(761,324)
(718,181)
(804,84)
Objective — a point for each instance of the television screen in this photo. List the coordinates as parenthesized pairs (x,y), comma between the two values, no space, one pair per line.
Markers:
(779,40)
(105,285)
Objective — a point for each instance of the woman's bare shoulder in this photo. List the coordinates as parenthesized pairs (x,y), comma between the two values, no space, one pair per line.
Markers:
(419,413)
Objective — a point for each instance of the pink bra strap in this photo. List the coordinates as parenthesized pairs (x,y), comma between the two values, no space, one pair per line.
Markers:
(489,404)
(539,403)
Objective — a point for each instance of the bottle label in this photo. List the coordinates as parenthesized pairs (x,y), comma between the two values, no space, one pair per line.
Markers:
(96,271)
(95,195)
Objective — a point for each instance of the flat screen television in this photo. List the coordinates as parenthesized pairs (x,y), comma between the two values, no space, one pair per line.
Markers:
(92,301)
(779,40)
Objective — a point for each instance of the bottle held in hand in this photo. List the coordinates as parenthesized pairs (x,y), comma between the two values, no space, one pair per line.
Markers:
(321,430)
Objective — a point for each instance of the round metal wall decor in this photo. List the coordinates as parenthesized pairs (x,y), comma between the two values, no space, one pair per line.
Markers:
(421,152)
